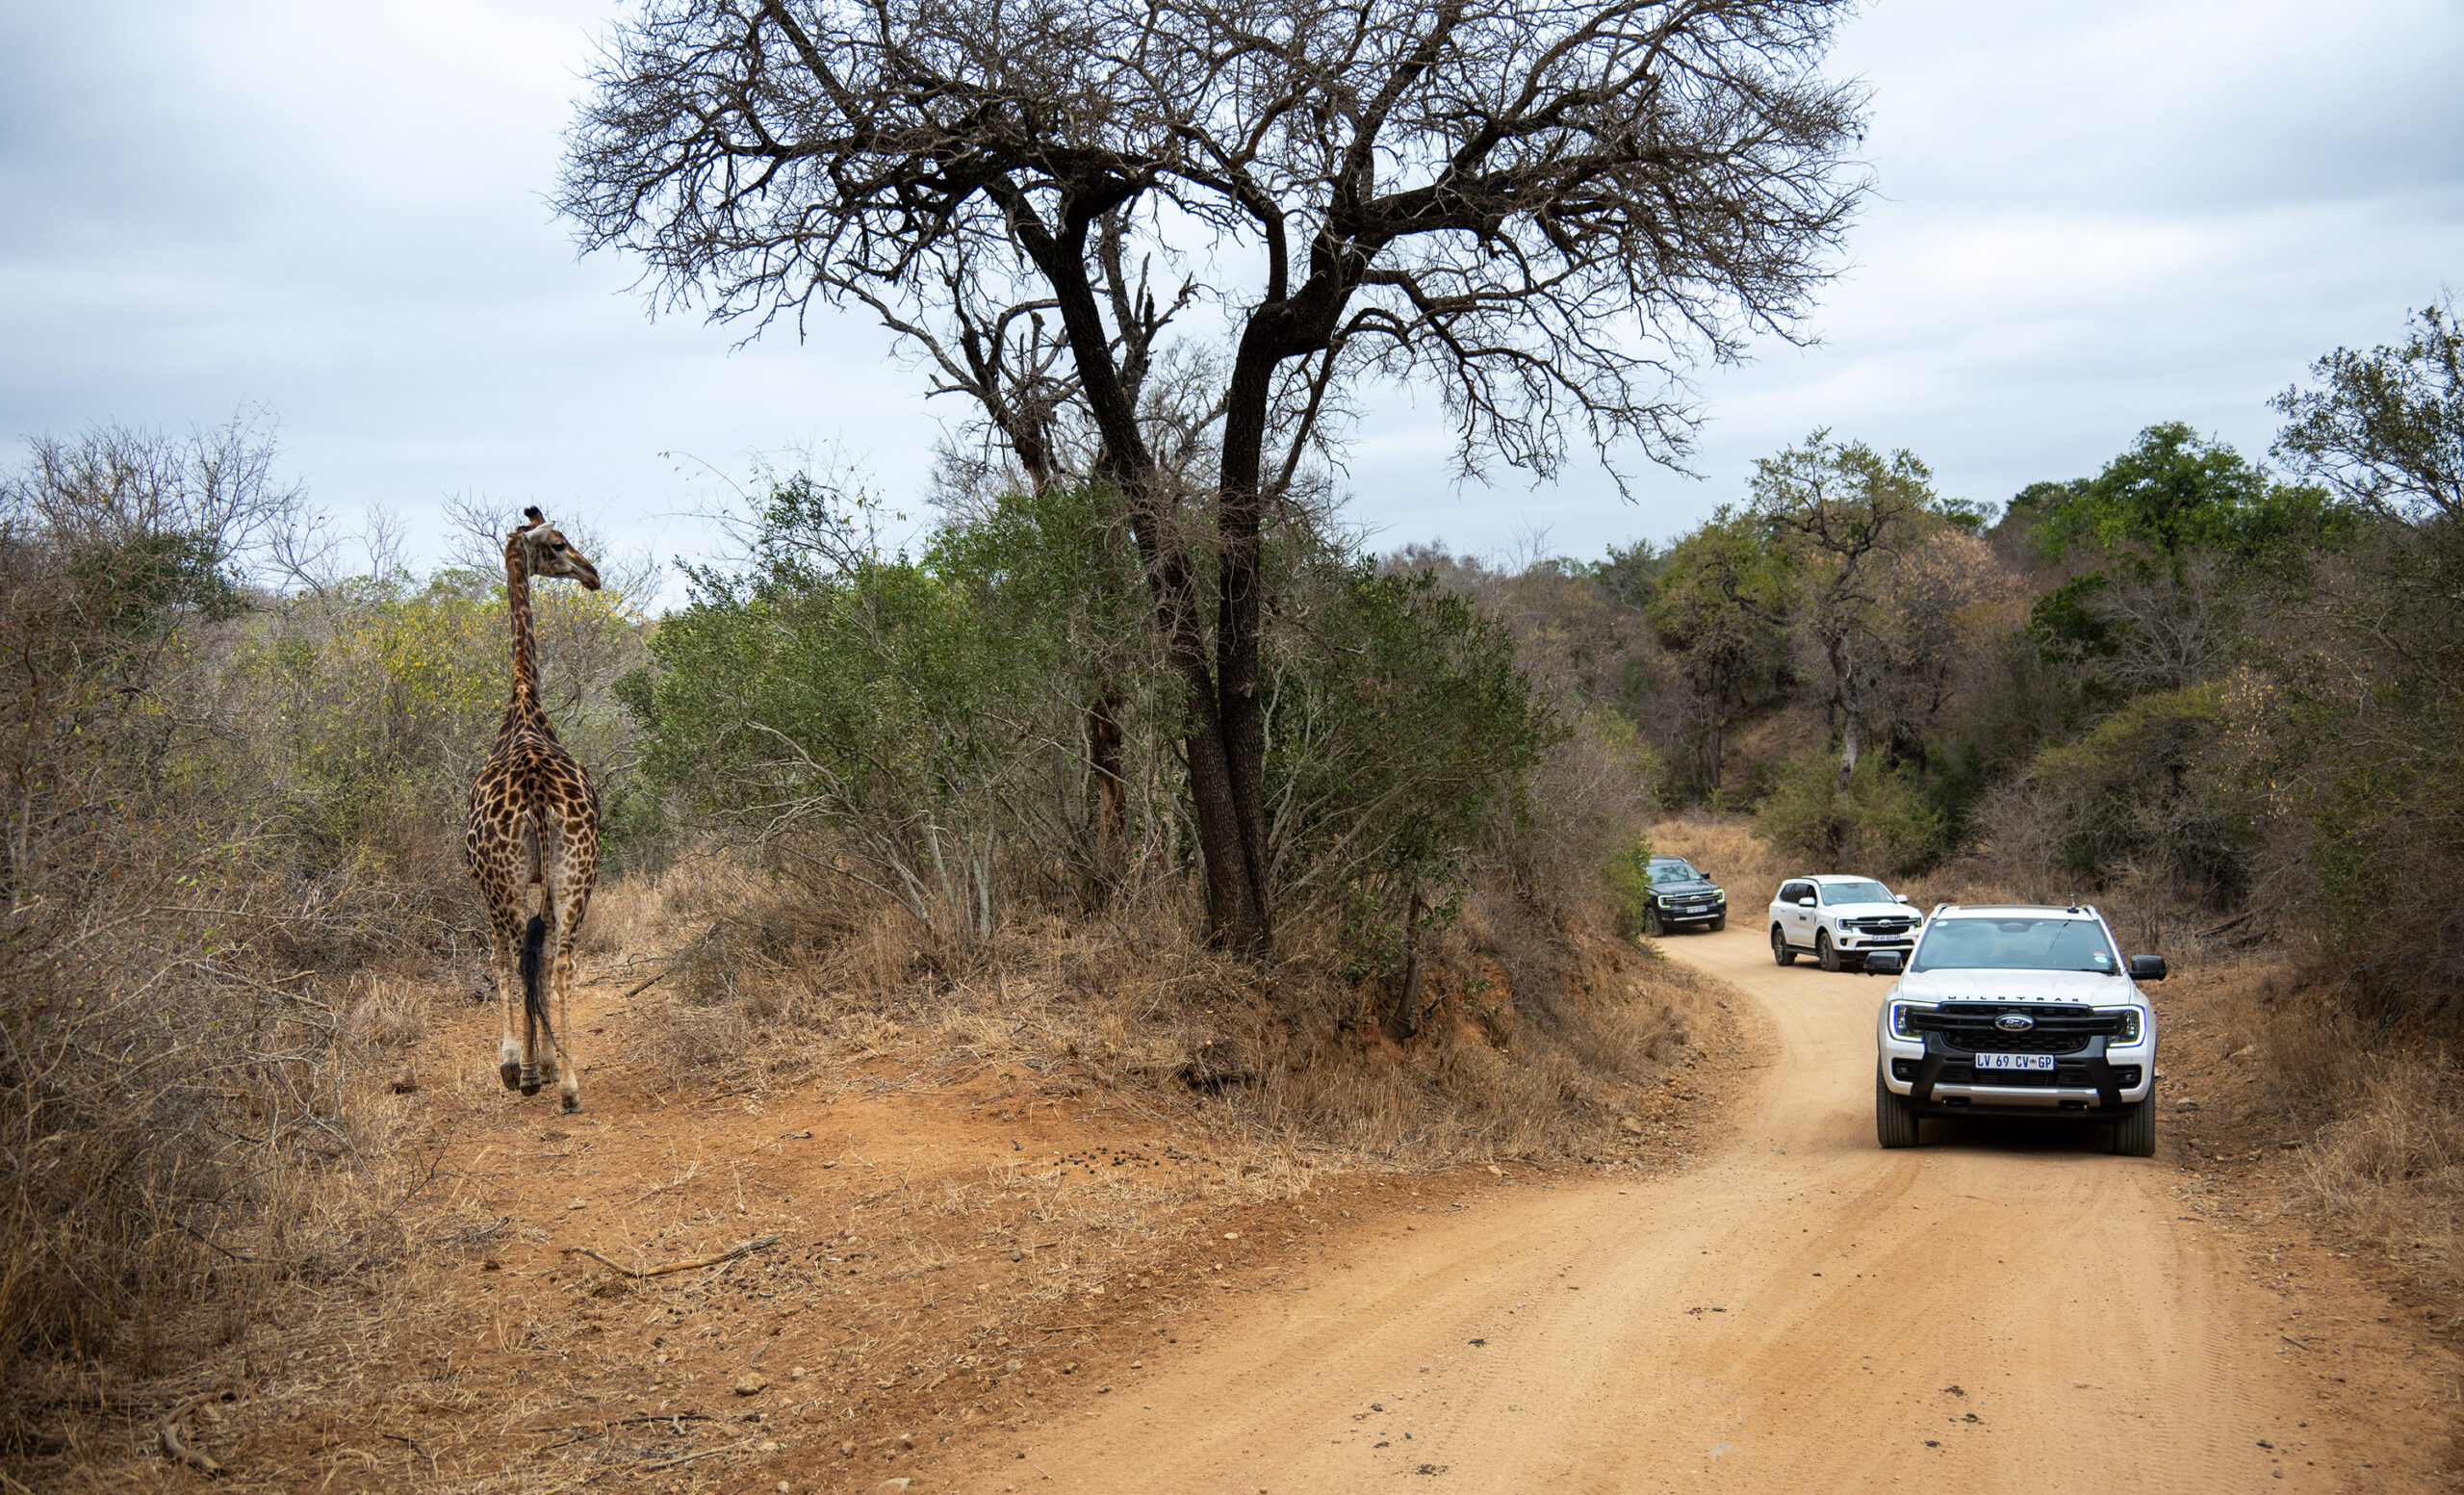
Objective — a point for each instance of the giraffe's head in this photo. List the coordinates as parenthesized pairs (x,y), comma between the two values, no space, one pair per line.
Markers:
(545,552)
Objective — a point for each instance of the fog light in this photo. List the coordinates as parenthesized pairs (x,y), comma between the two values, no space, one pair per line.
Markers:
(2126,1075)
(1903,1069)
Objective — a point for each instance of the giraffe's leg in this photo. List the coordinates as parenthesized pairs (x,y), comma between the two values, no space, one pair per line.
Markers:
(568,933)
(505,936)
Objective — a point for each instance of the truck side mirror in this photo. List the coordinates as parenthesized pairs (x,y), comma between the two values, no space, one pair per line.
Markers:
(1882,963)
(2147,968)
(1804,903)
(1899,898)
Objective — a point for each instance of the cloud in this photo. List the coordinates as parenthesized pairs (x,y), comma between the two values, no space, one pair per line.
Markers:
(2090,219)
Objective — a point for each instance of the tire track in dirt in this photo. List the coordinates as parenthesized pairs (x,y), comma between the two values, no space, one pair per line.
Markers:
(2003,1308)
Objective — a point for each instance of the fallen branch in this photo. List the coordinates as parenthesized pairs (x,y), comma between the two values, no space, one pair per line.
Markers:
(175,1447)
(646,983)
(669,968)
(687,1265)
(730,1448)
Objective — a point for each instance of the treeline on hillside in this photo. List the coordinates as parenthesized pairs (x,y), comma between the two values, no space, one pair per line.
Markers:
(2188,677)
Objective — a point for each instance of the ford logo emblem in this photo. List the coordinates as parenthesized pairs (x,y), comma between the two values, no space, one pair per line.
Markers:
(2014,1023)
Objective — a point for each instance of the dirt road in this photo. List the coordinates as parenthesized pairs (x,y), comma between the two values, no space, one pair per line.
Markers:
(1796,1311)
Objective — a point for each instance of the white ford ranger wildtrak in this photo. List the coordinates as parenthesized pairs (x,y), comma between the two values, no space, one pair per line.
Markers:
(2017,1012)
(1838,921)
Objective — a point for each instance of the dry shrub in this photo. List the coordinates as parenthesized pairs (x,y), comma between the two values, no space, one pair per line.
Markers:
(185,1139)
(1725,846)
(2381,1109)
(189,1123)
(2391,1165)
(1540,1022)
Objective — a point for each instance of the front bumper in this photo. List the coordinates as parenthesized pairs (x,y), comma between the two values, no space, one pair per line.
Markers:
(1692,913)
(2093,1084)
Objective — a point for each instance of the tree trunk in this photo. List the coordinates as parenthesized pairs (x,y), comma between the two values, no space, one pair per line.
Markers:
(1240,612)
(1111,794)
(1851,716)
(1226,750)
(1403,1022)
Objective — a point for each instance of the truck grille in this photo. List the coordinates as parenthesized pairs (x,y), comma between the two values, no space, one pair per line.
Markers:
(1879,926)
(2065,1076)
(1969,1026)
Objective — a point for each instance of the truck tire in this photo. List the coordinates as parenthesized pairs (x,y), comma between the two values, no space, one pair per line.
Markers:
(1652,925)
(2135,1134)
(1894,1124)
(1719,923)
(1781,950)
(1823,954)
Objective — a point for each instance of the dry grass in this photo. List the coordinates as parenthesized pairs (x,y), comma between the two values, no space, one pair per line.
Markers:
(1726,846)
(990,1193)
(1542,1036)
(2371,1119)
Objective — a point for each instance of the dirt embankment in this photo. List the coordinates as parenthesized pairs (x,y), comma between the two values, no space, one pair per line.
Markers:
(943,1257)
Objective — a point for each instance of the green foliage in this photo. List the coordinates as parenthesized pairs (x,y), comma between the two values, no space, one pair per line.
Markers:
(1628,876)
(1719,611)
(2135,791)
(381,695)
(1401,730)
(1881,822)
(2385,430)
(2173,494)
(896,702)
(144,581)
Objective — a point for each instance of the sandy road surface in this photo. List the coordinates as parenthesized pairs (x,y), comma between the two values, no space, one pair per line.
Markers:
(1788,1314)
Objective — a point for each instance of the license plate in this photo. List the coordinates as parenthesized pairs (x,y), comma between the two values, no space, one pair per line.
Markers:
(2014,1061)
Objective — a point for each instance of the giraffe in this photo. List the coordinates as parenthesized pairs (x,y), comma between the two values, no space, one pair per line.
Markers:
(534,819)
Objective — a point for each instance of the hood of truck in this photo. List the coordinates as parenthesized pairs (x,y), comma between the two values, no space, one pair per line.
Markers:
(1872,911)
(1685,889)
(2084,987)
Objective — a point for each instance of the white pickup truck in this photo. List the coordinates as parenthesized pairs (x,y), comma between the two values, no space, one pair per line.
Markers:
(2017,1011)
(1838,919)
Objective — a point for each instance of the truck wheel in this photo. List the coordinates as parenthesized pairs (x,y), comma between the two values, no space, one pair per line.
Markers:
(2135,1134)
(1894,1124)
(1719,923)
(1652,925)
(1779,947)
(1823,954)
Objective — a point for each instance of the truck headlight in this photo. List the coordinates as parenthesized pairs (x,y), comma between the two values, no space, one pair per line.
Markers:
(1903,1020)
(2130,1025)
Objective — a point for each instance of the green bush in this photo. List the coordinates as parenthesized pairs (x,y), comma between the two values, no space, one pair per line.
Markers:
(2137,791)
(1881,822)
(1628,876)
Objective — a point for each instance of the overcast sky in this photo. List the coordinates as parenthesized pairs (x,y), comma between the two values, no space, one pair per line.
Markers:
(2089,217)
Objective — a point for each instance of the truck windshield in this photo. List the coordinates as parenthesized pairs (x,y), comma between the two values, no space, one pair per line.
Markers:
(2015,944)
(1672,872)
(1853,893)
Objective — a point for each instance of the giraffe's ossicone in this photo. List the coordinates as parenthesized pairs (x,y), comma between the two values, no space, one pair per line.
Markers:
(534,823)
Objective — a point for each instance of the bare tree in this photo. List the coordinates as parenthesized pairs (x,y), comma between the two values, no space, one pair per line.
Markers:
(1551,210)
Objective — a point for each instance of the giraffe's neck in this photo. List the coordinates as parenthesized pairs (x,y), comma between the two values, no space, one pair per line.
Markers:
(521,709)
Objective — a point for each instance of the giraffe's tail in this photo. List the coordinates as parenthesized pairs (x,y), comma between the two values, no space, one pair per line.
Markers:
(534,1001)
